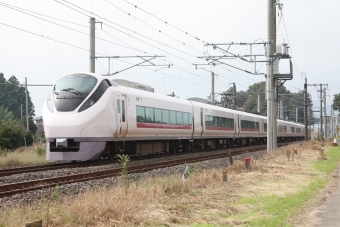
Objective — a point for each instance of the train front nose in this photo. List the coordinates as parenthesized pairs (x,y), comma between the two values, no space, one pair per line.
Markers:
(67,112)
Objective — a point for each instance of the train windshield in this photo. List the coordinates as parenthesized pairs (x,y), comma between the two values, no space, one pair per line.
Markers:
(71,90)
(76,83)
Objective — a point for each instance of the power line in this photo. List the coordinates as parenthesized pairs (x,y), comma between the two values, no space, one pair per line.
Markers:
(62,25)
(128,30)
(166,22)
(4,4)
(153,27)
(289,43)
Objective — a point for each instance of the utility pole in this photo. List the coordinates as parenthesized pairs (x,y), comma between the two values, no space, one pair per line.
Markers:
(321,91)
(234,95)
(296,114)
(92,45)
(281,109)
(212,95)
(27,125)
(275,80)
(325,112)
(258,103)
(271,4)
(332,122)
(21,111)
(306,113)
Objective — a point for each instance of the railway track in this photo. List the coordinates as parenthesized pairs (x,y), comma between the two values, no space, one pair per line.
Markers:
(21,187)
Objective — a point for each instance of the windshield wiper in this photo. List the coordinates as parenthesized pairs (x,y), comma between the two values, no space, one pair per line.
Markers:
(72,90)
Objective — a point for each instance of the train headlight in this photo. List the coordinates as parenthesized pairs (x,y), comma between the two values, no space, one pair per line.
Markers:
(50,105)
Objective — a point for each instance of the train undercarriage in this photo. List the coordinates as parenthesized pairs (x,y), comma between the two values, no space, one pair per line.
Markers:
(113,148)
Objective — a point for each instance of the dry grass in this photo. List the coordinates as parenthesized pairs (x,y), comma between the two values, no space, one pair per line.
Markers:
(22,156)
(202,199)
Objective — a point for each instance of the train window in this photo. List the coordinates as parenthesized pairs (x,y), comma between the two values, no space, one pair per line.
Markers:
(215,121)
(140,114)
(179,118)
(165,116)
(209,120)
(249,124)
(229,123)
(185,119)
(219,121)
(298,130)
(123,111)
(292,129)
(264,126)
(118,105)
(190,119)
(223,122)
(172,117)
(158,115)
(149,115)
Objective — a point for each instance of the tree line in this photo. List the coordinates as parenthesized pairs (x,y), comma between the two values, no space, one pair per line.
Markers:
(13,131)
(247,100)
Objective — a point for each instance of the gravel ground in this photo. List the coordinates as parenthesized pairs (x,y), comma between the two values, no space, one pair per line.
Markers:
(75,188)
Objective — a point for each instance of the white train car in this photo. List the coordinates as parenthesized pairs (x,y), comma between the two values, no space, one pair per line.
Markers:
(88,117)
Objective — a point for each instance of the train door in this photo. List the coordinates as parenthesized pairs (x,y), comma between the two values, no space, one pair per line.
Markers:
(118,115)
(202,123)
(123,122)
(237,124)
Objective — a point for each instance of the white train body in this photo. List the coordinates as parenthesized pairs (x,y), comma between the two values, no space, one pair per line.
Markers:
(87,116)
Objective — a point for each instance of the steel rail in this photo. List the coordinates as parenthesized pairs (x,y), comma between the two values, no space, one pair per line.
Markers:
(21,187)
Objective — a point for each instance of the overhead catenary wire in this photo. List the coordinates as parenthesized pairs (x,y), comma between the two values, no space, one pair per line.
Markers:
(63,26)
(159,30)
(187,33)
(70,22)
(129,30)
(131,35)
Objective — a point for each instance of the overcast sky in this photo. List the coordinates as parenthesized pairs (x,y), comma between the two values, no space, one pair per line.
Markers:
(43,51)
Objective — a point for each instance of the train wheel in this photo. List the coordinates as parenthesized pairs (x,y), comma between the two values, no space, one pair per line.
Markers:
(173,148)
(112,156)
(185,147)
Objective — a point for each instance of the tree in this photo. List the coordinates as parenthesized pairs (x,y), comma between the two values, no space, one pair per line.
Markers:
(336,102)
(12,96)
(5,114)
(248,100)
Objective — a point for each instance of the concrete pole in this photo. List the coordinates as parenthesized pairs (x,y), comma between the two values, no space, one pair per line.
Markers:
(332,122)
(269,72)
(325,112)
(306,113)
(321,134)
(27,122)
(336,123)
(92,45)
(275,87)
(281,110)
(212,98)
(258,103)
(234,95)
(296,114)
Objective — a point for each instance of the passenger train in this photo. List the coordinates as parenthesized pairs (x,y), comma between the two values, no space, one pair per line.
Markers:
(88,117)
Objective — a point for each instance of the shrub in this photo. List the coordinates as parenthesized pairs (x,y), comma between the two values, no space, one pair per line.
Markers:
(13,135)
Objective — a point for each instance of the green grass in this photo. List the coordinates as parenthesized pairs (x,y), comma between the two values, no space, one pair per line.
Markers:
(333,158)
(273,210)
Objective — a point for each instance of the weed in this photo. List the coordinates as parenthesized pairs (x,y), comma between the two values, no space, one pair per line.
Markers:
(56,193)
(41,150)
(124,159)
